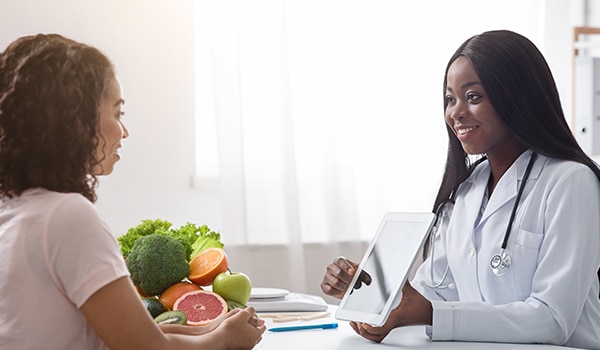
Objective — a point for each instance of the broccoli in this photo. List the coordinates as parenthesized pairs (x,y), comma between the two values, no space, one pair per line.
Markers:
(194,238)
(147,227)
(156,262)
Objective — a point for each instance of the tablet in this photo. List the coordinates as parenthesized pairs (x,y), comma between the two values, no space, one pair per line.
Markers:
(388,261)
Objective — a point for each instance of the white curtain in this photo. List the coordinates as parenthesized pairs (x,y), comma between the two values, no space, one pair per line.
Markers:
(318,116)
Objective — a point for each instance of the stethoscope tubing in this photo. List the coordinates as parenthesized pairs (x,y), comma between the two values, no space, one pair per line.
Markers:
(519,193)
(499,262)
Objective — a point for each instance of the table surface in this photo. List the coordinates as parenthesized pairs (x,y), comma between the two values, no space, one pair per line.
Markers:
(345,338)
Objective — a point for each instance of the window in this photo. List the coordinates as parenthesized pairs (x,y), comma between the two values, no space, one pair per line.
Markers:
(318,116)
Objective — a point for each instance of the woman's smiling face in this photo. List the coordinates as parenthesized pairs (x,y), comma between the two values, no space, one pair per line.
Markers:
(471,116)
(111,129)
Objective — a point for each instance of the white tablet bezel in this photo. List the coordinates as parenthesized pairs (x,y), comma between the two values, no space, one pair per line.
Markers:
(378,319)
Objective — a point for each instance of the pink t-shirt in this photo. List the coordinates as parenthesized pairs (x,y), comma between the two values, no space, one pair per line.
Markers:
(56,251)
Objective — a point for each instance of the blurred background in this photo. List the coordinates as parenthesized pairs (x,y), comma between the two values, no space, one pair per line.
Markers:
(289,126)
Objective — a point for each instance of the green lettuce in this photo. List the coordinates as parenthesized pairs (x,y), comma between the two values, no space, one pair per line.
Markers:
(205,239)
(194,238)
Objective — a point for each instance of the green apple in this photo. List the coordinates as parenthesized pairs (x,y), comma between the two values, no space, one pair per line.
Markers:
(235,286)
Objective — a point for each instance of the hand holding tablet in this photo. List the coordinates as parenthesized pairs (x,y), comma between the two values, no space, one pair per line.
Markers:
(384,268)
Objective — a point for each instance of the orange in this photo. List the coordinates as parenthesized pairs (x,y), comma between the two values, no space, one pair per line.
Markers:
(205,266)
(171,294)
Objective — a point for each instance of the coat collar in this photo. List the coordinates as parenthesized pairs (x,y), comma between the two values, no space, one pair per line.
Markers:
(505,190)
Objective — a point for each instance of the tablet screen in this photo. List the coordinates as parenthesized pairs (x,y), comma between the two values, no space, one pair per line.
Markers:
(388,261)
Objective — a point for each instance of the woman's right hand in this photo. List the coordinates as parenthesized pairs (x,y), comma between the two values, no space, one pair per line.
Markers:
(241,329)
(414,309)
(338,276)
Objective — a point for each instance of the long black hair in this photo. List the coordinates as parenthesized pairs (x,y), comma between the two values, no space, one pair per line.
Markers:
(523,92)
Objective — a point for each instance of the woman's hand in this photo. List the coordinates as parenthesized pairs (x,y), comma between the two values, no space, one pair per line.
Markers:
(338,276)
(414,309)
(241,329)
(197,330)
(118,316)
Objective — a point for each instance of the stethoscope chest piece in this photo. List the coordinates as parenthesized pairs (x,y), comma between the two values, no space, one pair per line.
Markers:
(500,263)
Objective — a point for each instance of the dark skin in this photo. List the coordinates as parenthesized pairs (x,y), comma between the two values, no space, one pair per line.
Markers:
(475,122)
(339,275)
(480,130)
(414,309)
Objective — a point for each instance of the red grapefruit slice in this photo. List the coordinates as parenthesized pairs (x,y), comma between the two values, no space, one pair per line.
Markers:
(201,306)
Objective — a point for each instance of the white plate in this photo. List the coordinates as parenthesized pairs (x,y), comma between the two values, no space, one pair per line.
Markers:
(268,293)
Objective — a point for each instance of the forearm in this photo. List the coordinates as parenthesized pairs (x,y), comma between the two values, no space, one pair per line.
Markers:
(518,322)
(188,341)
(414,309)
(184,330)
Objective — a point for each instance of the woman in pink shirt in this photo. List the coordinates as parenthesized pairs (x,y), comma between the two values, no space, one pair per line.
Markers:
(63,281)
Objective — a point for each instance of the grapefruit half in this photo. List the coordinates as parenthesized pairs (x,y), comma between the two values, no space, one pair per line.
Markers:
(171,294)
(201,307)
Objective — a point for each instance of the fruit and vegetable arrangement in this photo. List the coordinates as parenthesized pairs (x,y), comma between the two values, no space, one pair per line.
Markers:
(171,269)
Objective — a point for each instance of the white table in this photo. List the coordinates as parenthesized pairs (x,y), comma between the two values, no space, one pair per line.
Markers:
(345,338)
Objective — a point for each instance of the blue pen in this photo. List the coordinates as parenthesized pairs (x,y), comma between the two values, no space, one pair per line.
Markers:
(307,326)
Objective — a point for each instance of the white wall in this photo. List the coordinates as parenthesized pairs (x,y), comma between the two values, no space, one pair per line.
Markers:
(560,18)
(151,43)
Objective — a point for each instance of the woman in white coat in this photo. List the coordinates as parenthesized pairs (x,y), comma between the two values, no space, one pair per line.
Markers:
(516,248)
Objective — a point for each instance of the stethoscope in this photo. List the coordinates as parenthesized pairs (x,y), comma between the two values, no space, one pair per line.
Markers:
(500,262)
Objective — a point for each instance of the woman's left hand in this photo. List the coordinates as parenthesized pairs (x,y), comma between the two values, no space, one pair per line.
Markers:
(414,309)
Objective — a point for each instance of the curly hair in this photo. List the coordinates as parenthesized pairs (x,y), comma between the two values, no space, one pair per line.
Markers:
(50,91)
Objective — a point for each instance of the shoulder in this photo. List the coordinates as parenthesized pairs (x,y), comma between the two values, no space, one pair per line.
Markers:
(61,210)
(72,205)
(42,202)
(73,222)
(558,168)
(42,195)
(74,202)
(560,176)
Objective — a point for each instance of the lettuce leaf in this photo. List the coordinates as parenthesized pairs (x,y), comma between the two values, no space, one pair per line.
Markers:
(206,239)
(195,238)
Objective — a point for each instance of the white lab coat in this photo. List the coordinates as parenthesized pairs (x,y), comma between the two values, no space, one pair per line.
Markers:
(550,292)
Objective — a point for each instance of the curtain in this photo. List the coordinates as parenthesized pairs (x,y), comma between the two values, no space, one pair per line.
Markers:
(317,117)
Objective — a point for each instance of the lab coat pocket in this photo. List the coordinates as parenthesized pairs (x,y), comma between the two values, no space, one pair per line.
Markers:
(528,239)
(524,258)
